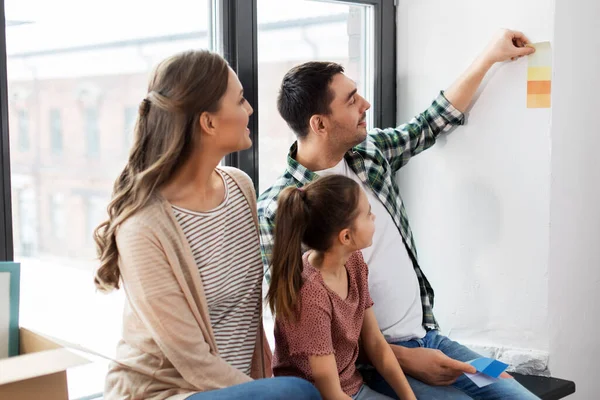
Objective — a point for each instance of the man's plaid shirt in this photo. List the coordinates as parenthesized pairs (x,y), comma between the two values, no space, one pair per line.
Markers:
(375,161)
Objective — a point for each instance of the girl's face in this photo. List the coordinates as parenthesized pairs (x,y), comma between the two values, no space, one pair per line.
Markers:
(363,227)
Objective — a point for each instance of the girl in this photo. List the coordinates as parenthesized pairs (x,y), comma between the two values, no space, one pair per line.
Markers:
(182,239)
(321,299)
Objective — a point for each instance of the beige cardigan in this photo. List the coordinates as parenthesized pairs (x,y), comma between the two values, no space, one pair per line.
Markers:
(168,349)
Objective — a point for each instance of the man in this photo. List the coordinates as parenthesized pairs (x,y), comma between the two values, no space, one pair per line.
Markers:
(322,106)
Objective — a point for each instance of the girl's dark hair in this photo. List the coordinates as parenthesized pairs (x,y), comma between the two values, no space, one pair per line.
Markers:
(313,216)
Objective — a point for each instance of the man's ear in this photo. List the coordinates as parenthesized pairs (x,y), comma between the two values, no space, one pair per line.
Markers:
(318,124)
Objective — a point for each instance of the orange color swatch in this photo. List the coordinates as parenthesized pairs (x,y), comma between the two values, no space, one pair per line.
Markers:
(539,76)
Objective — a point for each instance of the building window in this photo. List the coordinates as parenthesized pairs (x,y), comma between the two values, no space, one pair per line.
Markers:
(56,137)
(23,130)
(92,132)
(58,216)
(27,222)
(284,42)
(95,214)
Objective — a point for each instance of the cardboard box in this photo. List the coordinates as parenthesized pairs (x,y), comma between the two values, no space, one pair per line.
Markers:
(39,371)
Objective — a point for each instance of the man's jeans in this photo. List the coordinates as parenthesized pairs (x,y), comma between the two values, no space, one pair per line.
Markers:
(463,388)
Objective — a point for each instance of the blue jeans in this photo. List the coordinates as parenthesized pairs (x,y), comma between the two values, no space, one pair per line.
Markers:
(286,388)
(366,393)
(463,388)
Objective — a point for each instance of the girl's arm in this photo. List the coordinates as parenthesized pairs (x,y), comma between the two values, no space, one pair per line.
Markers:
(382,357)
(327,380)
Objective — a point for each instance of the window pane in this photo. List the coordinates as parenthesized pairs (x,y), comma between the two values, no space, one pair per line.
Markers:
(56,142)
(306,30)
(57,216)
(92,137)
(25,234)
(77,71)
(23,121)
(303,31)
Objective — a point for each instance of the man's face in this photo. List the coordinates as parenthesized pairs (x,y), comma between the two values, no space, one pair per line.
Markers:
(347,123)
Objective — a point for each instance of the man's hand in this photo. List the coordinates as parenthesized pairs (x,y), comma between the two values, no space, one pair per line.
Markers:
(431,366)
(507,45)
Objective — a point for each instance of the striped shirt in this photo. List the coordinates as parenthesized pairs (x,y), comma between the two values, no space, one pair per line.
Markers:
(226,249)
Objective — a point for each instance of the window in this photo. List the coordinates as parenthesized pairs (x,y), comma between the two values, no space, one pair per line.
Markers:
(79,77)
(302,31)
(23,121)
(56,138)
(57,216)
(95,213)
(92,135)
(26,216)
(262,41)
(85,88)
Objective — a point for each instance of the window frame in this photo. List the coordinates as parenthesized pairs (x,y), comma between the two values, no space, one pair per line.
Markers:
(56,132)
(91,128)
(240,45)
(240,49)
(6,232)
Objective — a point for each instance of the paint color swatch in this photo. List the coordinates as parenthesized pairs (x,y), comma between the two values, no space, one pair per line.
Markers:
(539,76)
(489,366)
(488,371)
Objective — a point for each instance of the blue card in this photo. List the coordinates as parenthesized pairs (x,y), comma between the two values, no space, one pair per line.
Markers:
(489,366)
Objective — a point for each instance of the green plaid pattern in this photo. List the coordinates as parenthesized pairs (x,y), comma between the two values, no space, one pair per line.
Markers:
(375,161)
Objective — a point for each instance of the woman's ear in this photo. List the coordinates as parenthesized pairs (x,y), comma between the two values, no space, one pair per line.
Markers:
(207,123)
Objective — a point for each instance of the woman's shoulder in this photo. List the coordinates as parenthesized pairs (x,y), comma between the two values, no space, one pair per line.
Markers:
(235,173)
(144,220)
(243,181)
(239,176)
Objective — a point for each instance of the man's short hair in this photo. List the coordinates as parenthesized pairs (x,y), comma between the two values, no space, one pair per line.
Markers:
(305,92)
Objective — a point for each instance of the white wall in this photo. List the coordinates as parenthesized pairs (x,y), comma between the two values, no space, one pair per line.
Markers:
(479,200)
(574,267)
(505,210)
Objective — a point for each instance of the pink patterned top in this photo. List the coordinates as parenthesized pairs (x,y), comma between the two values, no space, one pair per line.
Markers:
(326,325)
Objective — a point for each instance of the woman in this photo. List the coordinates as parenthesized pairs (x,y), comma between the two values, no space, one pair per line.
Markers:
(182,238)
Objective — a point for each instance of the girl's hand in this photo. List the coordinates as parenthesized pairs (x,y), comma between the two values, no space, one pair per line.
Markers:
(327,379)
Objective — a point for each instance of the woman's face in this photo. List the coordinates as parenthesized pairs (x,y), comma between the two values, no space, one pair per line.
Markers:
(231,121)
